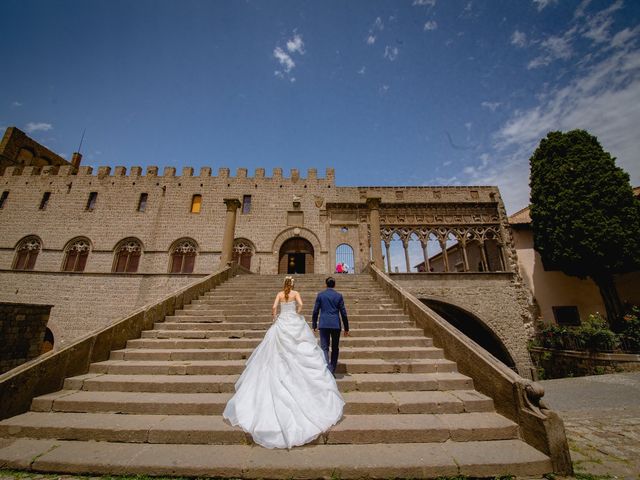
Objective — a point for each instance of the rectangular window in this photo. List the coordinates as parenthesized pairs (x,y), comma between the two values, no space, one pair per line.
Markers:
(568,316)
(142,203)
(45,200)
(3,198)
(91,203)
(196,203)
(246,204)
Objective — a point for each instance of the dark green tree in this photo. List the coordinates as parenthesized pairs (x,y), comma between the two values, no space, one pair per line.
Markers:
(585,219)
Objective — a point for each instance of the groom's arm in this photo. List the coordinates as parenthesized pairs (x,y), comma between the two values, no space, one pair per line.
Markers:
(343,314)
(316,310)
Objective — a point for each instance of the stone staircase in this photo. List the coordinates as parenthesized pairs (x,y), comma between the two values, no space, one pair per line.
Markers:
(155,406)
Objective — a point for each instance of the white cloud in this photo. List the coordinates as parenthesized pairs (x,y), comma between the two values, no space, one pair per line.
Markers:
(425,3)
(554,47)
(491,105)
(601,99)
(468,125)
(362,70)
(285,60)
(377,26)
(38,127)
(597,25)
(519,39)
(295,44)
(541,4)
(431,25)
(16,104)
(384,89)
(391,53)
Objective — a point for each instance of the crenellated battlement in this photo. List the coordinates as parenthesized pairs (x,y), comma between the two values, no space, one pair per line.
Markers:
(168,172)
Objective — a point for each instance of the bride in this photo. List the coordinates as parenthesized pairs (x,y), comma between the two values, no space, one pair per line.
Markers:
(286,395)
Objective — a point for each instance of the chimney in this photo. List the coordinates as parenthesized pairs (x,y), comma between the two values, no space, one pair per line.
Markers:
(76,158)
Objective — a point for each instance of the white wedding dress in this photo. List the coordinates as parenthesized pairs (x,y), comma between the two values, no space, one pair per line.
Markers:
(286,395)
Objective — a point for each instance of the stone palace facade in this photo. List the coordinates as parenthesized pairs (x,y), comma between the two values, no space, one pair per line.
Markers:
(98,243)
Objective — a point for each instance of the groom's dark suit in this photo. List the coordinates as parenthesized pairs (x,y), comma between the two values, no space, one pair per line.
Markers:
(330,306)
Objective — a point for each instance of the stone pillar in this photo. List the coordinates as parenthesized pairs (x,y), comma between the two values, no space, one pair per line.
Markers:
(483,251)
(445,255)
(387,247)
(229,230)
(465,258)
(374,225)
(405,245)
(427,267)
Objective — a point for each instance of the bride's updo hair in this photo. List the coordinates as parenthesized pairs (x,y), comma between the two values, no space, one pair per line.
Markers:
(288,285)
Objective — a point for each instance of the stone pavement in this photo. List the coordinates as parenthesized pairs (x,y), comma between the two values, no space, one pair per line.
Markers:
(602,419)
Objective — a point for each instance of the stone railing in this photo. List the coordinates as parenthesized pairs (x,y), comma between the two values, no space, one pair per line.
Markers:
(47,373)
(515,397)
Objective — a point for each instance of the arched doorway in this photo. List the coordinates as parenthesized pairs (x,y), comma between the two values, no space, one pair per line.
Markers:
(345,257)
(473,328)
(296,256)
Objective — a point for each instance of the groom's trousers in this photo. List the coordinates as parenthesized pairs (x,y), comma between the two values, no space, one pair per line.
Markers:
(330,337)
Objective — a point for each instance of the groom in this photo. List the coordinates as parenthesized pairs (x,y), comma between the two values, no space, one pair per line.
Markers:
(330,306)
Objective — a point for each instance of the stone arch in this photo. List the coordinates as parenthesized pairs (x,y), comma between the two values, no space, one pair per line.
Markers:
(243,251)
(182,255)
(301,232)
(127,253)
(26,252)
(76,254)
(472,325)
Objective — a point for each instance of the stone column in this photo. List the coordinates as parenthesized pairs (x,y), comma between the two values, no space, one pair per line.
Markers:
(405,245)
(465,258)
(229,230)
(483,251)
(445,255)
(374,225)
(387,247)
(427,267)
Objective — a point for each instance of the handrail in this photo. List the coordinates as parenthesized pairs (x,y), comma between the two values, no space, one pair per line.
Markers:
(46,373)
(515,397)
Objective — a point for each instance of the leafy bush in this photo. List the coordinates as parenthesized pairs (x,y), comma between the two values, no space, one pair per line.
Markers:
(630,335)
(594,334)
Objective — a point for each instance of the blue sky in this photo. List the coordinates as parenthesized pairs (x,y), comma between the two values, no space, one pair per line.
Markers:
(424,92)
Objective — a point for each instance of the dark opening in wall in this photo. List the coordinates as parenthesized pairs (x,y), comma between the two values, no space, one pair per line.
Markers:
(142,203)
(45,200)
(3,198)
(91,202)
(568,315)
(472,327)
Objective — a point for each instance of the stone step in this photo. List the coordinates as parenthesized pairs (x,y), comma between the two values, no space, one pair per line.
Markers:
(219,315)
(359,309)
(169,324)
(229,367)
(253,342)
(386,353)
(182,403)
(231,334)
(493,458)
(212,430)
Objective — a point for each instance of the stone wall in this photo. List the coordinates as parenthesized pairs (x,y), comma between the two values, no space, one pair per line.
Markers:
(22,328)
(502,303)
(85,302)
(569,363)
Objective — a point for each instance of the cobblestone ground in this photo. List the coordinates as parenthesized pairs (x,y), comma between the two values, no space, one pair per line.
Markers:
(602,419)
(601,416)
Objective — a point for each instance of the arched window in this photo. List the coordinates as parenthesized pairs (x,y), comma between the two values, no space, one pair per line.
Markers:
(26,253)
(243,250)
(76,256)
(128,254)
(183,256)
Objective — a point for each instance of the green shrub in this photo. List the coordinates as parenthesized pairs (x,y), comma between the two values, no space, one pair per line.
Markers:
(594,334)
(630,335)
